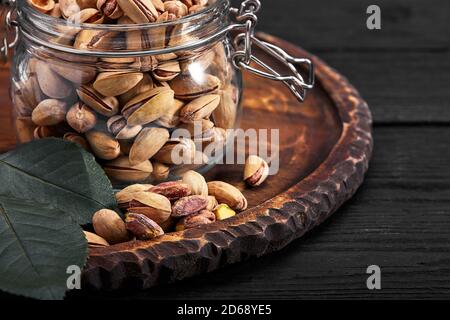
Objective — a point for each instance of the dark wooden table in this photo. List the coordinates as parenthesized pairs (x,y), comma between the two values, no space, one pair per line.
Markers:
(400,218)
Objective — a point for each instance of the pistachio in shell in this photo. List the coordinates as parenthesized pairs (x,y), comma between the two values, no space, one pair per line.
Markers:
(88,15)
(110,8)
(110,226)
(147,144)
(142,227)
(120,169)
(188,88)
(103,145)
(125,195)
(196,182)
(118,127)
(154,206)
(49,112)
(81,118)
(256,171)
(199,108)
(145,85)
(181,151)
(111,84)
(107,106)
(78,139)
(227,194)
(167,71)
(140,11)
(95,241)
(148,106)
(51,83)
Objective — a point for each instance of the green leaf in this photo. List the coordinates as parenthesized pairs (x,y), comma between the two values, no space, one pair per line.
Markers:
(37,245)
(59,173)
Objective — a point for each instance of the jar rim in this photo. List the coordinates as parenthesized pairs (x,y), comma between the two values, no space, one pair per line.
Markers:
(32,12)
(192,32)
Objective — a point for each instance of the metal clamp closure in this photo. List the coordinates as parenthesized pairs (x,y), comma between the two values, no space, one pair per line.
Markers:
(243,57)
(10,25)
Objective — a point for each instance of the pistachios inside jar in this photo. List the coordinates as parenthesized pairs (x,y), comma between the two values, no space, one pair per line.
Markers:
(142,84)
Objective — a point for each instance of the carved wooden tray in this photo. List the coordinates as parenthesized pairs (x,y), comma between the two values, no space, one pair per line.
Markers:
(325,144)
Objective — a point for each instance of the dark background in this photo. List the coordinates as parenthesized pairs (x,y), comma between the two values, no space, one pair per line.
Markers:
(400,218)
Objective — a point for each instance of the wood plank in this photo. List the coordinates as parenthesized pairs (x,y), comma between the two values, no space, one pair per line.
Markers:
(398,220)
(399,86)
(340,25)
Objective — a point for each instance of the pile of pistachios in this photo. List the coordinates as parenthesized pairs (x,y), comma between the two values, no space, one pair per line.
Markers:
(129,111)
(151,211)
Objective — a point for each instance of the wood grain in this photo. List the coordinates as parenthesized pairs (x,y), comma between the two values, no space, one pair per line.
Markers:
(329,25)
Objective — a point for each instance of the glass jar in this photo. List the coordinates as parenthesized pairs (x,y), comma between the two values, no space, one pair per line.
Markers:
(150,101)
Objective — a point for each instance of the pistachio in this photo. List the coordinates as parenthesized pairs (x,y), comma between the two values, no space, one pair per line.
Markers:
(25,129)
(155,206)
(81,118)
(94,39)
(171,117)
(176,9)
(196,182)
(188,205)
(49,112)
(51,84)
(120,169)
(78,139)
(110,8)
(103,146)
(148,106)
(89,15)
(199,108)
(108,225)
(119,128)
(198,219)
(172,190)
(145,85)
(147,144)
(160,171)
(74,72)
(181,151)
(125,195)
(212,203)
(188,88)
(256,171)
(143,227)
(223,212)
(107,106)
(112,84)
(227,194)
(167,71)
(226,112)
(68,7)
(95,241)
(42,5)
(140,11)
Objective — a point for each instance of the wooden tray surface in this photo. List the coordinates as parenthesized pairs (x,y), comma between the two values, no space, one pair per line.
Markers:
(325,145)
